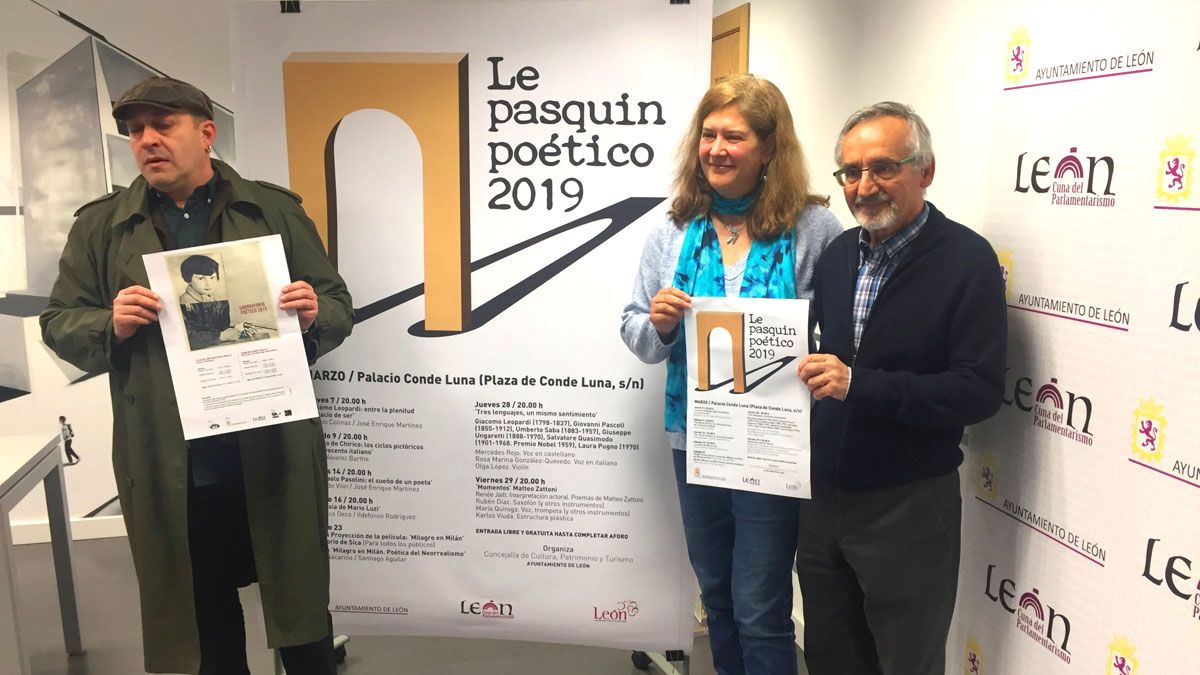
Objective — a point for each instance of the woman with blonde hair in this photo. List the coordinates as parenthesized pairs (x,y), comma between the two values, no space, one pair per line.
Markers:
(743,222)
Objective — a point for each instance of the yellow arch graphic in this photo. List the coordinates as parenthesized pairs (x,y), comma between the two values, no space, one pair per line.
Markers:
(733,322)
(428,92)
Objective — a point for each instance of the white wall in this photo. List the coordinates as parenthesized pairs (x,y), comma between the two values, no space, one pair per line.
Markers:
(928,54)
(795,43)
(831,58)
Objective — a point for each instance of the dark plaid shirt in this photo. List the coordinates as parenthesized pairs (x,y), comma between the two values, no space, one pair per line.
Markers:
(875,267)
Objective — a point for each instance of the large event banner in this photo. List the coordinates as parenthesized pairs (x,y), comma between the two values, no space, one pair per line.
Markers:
(1081,539)
(485,175)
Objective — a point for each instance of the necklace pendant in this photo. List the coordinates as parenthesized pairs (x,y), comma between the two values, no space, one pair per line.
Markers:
(732,238)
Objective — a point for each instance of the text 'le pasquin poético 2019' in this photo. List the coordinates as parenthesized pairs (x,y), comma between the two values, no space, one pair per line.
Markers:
(569,142)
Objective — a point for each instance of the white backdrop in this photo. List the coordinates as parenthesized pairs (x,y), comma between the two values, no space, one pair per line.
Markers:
(1083,491)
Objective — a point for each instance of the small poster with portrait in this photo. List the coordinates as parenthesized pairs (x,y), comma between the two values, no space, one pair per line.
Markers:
(237,360)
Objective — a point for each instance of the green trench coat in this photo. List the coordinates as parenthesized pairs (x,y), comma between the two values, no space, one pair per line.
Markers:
(284,465)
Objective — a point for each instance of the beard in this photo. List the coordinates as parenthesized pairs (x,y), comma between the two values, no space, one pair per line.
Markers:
(885,218)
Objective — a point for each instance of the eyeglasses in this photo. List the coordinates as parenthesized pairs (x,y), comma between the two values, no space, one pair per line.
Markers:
(881,169)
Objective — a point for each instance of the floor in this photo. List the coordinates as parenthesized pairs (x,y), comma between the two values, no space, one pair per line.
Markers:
(108,607)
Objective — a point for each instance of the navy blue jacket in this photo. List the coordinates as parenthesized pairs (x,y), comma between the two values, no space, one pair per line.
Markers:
(931,358)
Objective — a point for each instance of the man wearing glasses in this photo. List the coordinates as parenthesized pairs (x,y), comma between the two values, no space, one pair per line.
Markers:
(912,349)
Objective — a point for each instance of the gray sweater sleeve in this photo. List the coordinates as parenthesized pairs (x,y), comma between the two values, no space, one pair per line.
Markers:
(656,271)
(816,228)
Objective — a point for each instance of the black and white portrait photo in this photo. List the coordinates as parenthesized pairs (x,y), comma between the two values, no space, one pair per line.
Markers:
(223,296)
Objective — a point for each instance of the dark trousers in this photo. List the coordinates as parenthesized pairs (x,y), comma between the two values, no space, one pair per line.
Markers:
(879,574)
(222,562)
(71,455)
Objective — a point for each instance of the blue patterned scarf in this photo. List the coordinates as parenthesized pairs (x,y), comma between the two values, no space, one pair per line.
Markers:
(733,207)
(770,273)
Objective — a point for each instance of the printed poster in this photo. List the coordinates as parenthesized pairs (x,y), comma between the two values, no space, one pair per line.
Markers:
(237,360)
(747,409)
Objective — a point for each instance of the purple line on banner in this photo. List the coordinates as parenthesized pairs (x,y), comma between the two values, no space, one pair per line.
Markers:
(1044,534)
(1072,318)
(1178,208)
(1079,79)
(1169,475)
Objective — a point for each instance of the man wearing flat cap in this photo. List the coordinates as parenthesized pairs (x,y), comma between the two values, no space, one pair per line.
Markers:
(208,516)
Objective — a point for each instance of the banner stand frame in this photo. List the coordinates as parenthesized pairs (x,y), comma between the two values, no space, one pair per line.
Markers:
(665,661)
